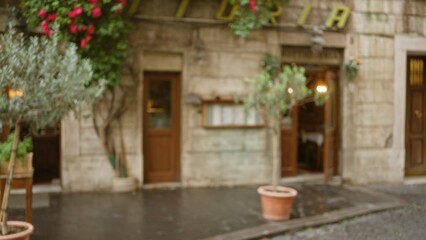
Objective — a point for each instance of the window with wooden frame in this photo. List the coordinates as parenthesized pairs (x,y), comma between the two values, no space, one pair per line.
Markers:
(229,114)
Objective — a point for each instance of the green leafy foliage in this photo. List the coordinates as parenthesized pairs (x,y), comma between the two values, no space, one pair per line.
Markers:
(351,68)
(52,82)
(98,27)
(276,90)
(252,15)
(25,146)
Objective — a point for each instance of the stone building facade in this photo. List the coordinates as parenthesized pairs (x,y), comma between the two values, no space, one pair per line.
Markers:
(212,63)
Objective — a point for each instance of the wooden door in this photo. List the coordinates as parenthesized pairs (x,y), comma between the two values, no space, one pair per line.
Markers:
(330,126)
(415,137)
(47,153)
(289,134)
(161,111)
(46,157)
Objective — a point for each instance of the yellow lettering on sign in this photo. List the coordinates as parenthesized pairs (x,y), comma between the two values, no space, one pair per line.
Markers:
(222,11)
(338,17)
(306,12)
(134,6)
(276,13)
(182,8)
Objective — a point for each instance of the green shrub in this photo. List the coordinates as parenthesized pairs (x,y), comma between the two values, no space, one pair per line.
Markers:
(25,146)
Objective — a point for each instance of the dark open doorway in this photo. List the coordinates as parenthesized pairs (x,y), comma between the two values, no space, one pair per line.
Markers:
(309,142)
(46,158)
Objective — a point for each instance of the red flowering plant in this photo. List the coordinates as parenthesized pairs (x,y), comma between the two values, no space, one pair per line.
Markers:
(351,68)
(254,14)
(98,27)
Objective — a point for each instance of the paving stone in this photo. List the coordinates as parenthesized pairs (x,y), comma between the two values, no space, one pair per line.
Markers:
(181,214)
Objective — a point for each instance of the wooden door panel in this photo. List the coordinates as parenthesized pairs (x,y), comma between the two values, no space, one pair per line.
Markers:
(416,151)
(46,158)
(329,153)
(289,146)
(161,127)
(415,163)
(416,111)
(330,127)
(156,151)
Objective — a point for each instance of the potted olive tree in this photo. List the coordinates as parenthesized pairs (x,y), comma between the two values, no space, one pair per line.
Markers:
(40,82)
(274,92)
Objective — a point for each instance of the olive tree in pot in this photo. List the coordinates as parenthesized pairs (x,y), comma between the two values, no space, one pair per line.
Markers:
(274,92)
(48,82)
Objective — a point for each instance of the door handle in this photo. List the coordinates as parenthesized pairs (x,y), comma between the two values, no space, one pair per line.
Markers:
(418,114)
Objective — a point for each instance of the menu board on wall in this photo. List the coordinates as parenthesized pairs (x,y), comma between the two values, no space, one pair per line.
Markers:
(228,114)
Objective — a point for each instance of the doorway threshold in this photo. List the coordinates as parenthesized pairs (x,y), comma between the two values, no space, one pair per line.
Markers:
(414,180)
(171,185)
(316,177)
(312,177)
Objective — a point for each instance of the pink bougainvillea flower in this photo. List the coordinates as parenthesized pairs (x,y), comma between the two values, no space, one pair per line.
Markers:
(96,12)
(72,15)
(89,38)
(51,17)
(78,10)
(75,13)
(85,41)
(73,28)
(82,28)
(45,27)
(42,13)
(253,5)
(44,23)
(91,29)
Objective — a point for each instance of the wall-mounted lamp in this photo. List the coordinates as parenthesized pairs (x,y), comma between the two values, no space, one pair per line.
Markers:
(12,93)
(321,88)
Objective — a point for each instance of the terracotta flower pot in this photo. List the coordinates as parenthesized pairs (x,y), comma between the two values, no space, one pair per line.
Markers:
(276,204)
(24,235)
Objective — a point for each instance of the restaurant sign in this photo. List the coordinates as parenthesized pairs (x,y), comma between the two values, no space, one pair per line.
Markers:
(336,19)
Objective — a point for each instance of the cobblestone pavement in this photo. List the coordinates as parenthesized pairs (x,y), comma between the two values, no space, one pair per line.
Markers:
(174,214)
(405,223)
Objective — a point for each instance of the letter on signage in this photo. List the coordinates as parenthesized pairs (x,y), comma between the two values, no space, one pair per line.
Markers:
(222,9)
(182,8)
(133,7)
(276,13)
(338,17)
(306,11)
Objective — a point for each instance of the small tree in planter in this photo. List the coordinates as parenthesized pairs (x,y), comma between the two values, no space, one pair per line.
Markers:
(40,84)
(274,92)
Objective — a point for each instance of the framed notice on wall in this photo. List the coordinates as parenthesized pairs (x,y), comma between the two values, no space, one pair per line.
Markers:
(229,114)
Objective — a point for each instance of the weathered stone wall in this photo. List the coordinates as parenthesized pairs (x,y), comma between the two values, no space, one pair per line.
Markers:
(368,111)
(237,156)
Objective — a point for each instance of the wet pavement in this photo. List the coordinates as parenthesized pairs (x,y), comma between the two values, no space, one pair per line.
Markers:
(399,224)
(174,214)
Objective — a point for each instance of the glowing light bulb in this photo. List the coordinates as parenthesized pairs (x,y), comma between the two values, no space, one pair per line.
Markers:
(322,89)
